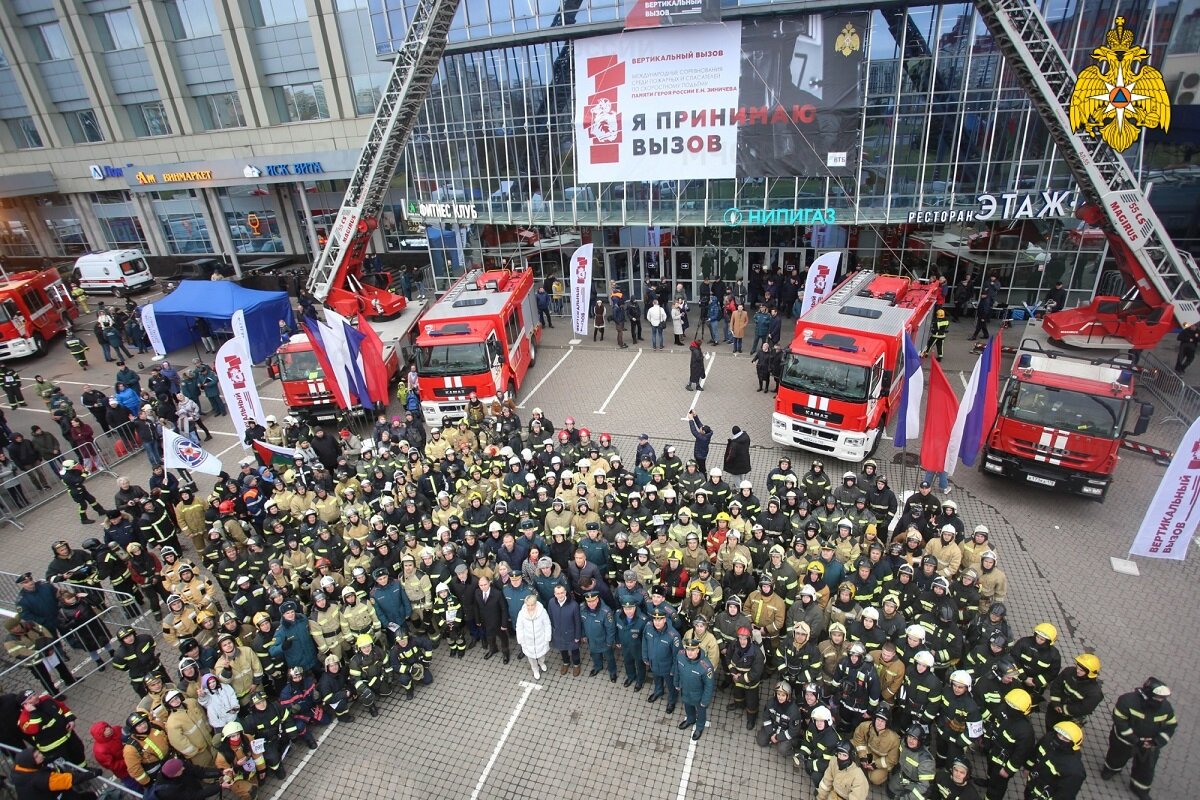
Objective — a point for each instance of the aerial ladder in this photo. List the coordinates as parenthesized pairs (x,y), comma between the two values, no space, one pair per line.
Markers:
(336,278)
(1164,284)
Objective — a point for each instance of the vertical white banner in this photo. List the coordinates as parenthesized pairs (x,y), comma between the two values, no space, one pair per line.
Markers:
(234,372)
(237,324)
(822,277)
(580,276)
(1171,520)
(150,323)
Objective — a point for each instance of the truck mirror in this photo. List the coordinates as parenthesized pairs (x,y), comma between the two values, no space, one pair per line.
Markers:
(273,367)
(1143,420)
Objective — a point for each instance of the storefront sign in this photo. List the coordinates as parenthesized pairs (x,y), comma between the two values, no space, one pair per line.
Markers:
(779,216)
(442,210)
(1006,206)
(101,171)
(266,169)
(148,178)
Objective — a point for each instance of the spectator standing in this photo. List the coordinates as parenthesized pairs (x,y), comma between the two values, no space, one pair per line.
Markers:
(703,435)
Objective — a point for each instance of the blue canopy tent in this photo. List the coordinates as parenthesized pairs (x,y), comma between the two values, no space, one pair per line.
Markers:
(216,301)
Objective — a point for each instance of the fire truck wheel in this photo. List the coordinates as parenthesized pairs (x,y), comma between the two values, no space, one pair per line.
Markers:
(39,344)
(512,391)
(532,351)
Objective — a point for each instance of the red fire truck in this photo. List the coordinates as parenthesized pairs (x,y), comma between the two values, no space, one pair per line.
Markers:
(480,337)
(840,381)
(303,381)
(1062,416)
(34,308)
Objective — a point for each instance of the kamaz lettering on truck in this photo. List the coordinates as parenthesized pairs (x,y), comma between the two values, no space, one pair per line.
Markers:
(840,381)
(481,337)
(1062,416)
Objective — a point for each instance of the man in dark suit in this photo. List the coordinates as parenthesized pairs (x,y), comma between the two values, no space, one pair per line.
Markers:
(493,615)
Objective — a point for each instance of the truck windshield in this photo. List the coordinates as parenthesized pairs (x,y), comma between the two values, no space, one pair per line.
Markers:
(826,378)
(1064,409)
(300,366)
(452,359)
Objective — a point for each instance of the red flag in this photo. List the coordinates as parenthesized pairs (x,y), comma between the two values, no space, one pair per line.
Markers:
(372,358)
(941,408)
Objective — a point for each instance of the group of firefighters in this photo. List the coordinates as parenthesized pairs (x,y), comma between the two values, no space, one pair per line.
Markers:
(878,625)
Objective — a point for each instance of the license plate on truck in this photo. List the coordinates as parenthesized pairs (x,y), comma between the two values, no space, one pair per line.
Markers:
(1040,481)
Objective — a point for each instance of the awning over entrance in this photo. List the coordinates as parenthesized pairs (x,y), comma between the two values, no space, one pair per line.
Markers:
(22,184)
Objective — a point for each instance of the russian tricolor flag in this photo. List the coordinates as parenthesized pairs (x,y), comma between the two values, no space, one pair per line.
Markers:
(908,425)
(977,412)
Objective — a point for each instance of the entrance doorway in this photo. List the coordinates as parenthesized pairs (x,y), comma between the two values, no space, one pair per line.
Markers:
(686,271)
(649,268)
(793,260)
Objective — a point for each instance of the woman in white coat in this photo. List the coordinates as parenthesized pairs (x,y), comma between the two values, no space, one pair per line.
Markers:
(219,701)
(533,634)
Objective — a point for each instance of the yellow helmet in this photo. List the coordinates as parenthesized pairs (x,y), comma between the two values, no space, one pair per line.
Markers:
(1071,732)
(1089,663)
(363,640)
(1020,700)
(204,615)
(1046,631)
(675,554)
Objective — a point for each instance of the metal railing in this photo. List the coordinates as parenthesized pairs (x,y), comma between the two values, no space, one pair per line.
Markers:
(8,756)
(1177,402)
(29,490)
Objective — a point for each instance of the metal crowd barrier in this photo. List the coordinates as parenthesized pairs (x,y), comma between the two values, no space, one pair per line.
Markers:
(112,788)
(1177,402)
(27,491)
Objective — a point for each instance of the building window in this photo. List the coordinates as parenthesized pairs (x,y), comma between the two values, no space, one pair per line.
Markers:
(84,126)
(68,237)
(15,239)
(221,111)
(25,133)
(149,119)
(49,44)
(3,60)
(192,19)
(266,13)
(367,91)
(300,102)
(185,233)
(118,30)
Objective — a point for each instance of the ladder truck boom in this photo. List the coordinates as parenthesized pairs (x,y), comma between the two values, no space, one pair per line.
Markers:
(336,277)
(1164,281)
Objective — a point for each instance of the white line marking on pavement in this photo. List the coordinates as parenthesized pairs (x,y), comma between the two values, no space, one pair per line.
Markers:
(227,449)
(696,395)
(687,771)
(962,378)
(530,688)
(546,377)
(617,385)
(294,771)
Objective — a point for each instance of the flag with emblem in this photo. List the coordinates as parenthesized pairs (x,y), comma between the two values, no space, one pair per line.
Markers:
(180,452)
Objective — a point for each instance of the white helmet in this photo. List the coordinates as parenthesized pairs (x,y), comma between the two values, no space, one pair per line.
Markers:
(715,472)
(915,632)
(924,657)
(962,678)
(745,485)
(822,713)
(271,419)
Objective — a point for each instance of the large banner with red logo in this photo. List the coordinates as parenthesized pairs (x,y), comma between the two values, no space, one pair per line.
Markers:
(774,97)
(1170,522)
(236,377)
(580,275)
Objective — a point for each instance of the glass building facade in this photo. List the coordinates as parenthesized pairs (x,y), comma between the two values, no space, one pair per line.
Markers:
(942,121)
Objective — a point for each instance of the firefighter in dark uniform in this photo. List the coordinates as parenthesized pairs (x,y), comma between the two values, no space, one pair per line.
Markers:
(1076,692)
(370,673)
(937,334)
(695,680)
(410,659)
(1008,741)
(746,664)
(267,720)
(12,388)
(77,348)
(73,478)
(1038,659)
(334,690)
(135,655)
(955,718)
(1056,770)
(1143,724)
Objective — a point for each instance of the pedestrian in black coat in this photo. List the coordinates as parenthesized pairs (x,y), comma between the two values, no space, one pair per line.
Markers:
(493,615)
(762,366)
(695,368)
(737,453)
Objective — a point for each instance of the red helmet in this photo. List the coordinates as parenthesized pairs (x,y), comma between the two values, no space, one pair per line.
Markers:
(227,507)
(564,435)
(584,433)
(605,437)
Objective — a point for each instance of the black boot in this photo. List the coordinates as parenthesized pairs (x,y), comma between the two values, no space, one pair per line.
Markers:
(751,718)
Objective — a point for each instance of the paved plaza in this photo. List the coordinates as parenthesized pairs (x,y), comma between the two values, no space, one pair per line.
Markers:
(484,729)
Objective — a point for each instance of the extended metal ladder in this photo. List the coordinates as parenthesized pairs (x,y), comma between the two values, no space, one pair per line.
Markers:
(413,72)
(1044,72)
